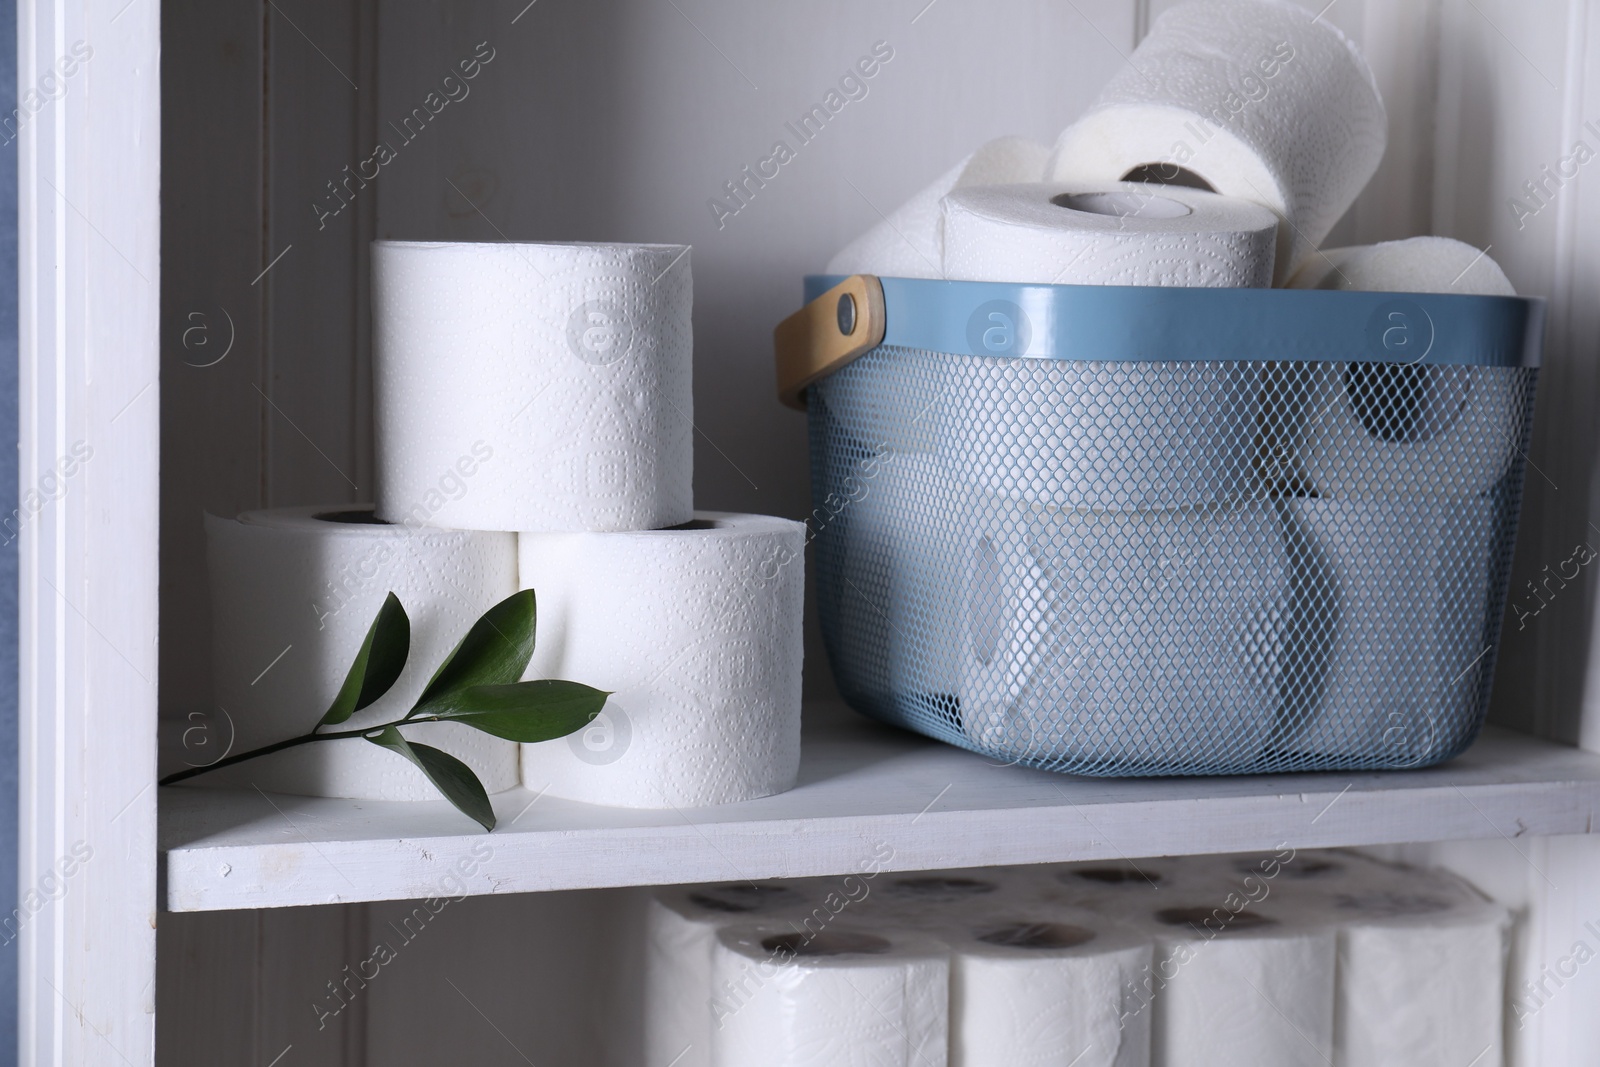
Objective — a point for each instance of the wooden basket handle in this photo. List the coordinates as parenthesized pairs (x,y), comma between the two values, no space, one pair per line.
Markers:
(825,335)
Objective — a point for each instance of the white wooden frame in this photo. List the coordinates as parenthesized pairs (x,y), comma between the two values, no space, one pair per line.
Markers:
(88,264)
(89,261)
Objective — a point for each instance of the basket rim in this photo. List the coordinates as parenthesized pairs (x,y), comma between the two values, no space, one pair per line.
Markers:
(1124,323)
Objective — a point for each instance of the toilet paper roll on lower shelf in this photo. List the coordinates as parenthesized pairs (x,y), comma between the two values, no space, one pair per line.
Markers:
(1075,617)
(1252,98)
(681,927)
(1046,989)
(934,900)
(845,996)
(1106,233)
(1245,986)
(907,243)
(293,592)
(1421,973)
(521,386)
(1391,612)
(696,632)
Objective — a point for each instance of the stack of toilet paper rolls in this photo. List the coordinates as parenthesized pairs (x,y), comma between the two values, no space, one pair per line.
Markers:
(533,413)
(1262,543)
(1286,958)
(1083,528)
(1394,531)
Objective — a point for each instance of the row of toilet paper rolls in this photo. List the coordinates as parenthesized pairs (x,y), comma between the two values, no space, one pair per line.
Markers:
(694,630)
(543,389)
(1281,960)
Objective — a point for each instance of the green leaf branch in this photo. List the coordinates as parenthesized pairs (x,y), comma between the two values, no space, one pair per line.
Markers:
(477,685)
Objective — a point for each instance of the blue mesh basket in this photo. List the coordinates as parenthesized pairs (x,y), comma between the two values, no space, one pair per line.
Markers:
(1140,531)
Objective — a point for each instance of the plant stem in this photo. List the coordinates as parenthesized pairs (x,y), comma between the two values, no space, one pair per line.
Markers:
(228,761)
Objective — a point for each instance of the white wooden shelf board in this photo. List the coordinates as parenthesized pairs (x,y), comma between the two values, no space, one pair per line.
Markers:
(867,795)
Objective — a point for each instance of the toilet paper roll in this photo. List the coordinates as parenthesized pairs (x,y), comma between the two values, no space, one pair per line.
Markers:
(1421,974)
(1383,429)
(1252,98)
(1077,434)
(1089,882)
(696,631)
(1415,265)
(1125,637)
(907,243)
(903,530)
(1322,266)
(532,386)
(891,400)
(1106,233)
(1394,600)
(1373,429)
(843,997)
(1306,872)
(1047,989)
(931,901)
(681,927)
(1240,986)
(293,593)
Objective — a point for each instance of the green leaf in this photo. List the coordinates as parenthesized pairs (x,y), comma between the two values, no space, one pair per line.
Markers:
(523,711)
(452,777)
(495,651)
(380,661)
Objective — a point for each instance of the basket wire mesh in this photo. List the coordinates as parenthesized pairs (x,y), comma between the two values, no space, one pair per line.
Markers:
(1147,568)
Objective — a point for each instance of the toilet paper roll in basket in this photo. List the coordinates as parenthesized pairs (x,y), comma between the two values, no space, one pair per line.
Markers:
(1394,597)
(1075,617)
(1376,429)
(681,927)
(1046,989)
(1107,233)
(1141,434)
(897,580)
(907,244)
(1245,987)
(1384,429)
(696,631)
(1257,99)
(842,997)
(532,386)
(1421,973)
(1414,265)
(293,592)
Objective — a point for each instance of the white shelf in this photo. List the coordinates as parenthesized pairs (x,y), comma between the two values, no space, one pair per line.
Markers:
(864,790)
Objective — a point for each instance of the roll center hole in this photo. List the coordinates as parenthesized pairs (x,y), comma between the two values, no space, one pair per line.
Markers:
(942,888)
(827,943)
(1123,205)
(739,899)
(1118,875)
(1167,174)
(354,517)
(1039,935)
(1225,920)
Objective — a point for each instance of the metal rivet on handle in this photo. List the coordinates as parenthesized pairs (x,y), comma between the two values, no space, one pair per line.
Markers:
(847,314)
